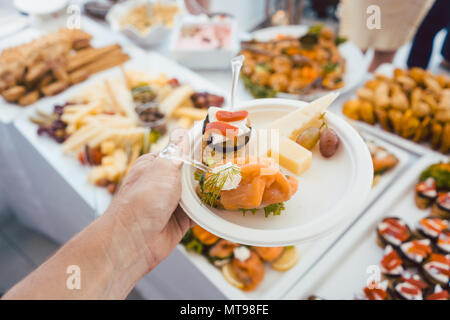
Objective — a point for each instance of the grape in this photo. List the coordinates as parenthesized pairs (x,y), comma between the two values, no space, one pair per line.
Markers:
(329,142)
(308,138)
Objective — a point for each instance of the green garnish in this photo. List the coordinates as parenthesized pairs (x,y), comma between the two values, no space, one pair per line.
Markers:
(316,29)
(191,243)
(215,182)
(258,91)
(194,245)
(198,175)
(244,211)
(440,172)
(274,209)
(262,67)
(329,67)
(340,40)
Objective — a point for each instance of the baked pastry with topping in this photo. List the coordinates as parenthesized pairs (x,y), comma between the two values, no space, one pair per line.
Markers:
(391,264)
(438,294)
(431,228)
(375,291)
(392,231)
(437,269)
(410,287)
(443,242)
(415,252)
(426,193)
(441,207)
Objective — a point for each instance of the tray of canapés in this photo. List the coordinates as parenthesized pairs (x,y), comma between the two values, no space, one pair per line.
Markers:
(411,227)
(247,267)
(410,108)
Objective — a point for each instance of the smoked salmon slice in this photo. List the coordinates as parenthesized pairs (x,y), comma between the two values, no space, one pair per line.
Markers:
(261,185)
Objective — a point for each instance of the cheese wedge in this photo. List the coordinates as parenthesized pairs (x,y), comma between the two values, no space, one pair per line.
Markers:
(175,99)
(191,113)
(292,156)
(294,123)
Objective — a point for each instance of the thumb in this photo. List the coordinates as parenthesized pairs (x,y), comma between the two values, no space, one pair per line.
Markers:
(180,137)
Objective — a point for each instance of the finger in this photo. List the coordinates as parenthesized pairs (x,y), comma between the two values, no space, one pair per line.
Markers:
(180,137)
(183,220)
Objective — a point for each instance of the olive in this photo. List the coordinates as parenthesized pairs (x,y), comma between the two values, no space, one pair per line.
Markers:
(329,142)
(308,138)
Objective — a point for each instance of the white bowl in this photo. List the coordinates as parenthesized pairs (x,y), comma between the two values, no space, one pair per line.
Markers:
(331,192)
(154,35)
(208,58)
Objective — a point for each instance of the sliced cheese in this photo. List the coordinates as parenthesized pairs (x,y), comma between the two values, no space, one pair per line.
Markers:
(294,123)
(292,156)
(191,113)
(175,99)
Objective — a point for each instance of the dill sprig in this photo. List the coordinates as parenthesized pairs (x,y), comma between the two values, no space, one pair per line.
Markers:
(274,209)
(214,183)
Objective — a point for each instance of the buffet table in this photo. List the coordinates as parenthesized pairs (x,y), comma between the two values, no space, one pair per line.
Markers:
(47,195)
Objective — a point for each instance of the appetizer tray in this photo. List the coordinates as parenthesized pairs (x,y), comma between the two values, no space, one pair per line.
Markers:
(347,267)
(318,206)
(8,111)
(276,283)
(417,148)
(69,167)
(355,64)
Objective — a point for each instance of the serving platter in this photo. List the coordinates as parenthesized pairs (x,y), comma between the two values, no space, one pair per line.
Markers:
(69,167)
(356,65)
(275,283)
(417,148)
(314,210)
(348,266)
(10,111)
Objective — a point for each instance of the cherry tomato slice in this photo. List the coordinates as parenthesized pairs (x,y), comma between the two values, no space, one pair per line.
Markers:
(223,128)
(229,116)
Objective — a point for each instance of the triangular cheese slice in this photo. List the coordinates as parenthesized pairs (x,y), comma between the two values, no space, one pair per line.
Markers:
(295,122)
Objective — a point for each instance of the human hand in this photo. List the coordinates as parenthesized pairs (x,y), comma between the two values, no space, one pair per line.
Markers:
(147,203)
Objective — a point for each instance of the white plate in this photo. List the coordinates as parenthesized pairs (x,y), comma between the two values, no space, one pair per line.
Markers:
(275,283)
(343,272)
(355,68)
(330,192)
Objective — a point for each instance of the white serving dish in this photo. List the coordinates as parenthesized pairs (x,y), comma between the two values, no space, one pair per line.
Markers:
(417,148)
(208,58)
(346,268)
(68,167)
(356,66)
(275,283)
(154,35)
(317,208)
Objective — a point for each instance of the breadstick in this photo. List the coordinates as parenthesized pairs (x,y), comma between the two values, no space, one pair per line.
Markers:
(83,58)
(14,93)
(29,98)
(54,88)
